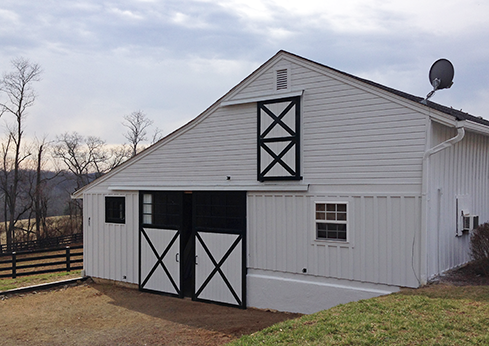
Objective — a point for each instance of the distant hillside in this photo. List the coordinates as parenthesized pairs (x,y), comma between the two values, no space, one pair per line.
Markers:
(58,189)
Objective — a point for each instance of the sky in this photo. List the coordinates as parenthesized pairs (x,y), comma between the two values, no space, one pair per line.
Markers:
(172,59)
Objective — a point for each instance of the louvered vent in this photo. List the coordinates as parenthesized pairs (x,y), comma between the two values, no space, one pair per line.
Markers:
(282,79)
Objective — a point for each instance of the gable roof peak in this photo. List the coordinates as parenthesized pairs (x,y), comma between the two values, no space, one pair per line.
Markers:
(457,114)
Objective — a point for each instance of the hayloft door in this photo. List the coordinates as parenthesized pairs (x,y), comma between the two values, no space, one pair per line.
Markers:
(279,139)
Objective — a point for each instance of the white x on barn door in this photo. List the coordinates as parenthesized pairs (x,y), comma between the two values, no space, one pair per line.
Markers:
(219,268)
(160,267)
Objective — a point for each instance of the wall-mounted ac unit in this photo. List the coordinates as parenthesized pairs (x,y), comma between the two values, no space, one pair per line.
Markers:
(470,222)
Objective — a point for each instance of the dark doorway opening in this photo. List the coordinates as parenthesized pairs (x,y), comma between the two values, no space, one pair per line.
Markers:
(187,246)
(193,244)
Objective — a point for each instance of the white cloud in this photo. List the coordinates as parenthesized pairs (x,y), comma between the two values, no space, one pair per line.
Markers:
(104,59)
(126,14)
(248,10)
(188,21)
(8,17)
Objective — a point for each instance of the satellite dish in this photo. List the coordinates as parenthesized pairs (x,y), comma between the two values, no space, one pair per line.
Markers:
(441,76)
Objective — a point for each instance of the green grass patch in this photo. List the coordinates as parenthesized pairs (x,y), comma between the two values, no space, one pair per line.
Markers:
(436,315)
(24,281)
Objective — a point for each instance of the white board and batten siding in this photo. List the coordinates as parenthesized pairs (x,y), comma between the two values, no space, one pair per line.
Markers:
(359,148)
(110,249)
(461,171)
(359,145)
(383,232)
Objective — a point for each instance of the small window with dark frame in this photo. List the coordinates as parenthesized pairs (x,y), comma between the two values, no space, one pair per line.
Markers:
(331,221)
(115,209)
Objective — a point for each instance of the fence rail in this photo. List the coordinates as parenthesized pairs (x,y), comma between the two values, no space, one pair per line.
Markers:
(46,243)
(18,263)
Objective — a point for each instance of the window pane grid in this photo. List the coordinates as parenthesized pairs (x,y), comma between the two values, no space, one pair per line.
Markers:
(147,208)
(331,221)
(115,209)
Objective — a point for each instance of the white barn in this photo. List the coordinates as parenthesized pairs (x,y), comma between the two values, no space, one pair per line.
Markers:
(301,188)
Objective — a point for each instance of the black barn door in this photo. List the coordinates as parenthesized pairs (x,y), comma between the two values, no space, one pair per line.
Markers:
(160,242)
(194,244)
(220,247)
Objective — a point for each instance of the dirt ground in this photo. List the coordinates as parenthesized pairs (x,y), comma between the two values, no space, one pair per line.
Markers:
(466,275)
(105,314)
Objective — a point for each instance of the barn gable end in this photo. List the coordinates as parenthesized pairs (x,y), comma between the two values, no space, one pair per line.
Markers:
(334,172)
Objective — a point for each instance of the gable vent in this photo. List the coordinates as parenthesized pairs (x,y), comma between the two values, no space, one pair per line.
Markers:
(282,79)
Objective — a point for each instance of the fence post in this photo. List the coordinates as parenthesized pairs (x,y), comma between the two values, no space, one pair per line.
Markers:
(14,265)
(68,259)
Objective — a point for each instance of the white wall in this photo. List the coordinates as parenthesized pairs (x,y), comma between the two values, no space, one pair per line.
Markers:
(110,249)
(461,170)
(384,237)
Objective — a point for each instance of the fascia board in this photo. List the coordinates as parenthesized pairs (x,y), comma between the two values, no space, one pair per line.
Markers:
(476,127)
(261,97)
(212,187)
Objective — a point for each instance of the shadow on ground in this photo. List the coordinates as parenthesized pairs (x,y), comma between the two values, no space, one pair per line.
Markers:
(218,318)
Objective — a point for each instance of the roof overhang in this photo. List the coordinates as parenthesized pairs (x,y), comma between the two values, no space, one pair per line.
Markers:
(213,187)
(262,97)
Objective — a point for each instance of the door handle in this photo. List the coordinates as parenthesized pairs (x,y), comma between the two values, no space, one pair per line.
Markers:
(196,260)
(177,259)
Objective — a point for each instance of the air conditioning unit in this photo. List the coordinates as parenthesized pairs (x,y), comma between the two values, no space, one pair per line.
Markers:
(470,222)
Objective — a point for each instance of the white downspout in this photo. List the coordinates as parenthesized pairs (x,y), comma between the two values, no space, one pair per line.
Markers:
(426,196)
(448,143)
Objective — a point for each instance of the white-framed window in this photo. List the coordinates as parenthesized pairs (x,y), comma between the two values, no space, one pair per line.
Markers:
(147,208)
(331,221)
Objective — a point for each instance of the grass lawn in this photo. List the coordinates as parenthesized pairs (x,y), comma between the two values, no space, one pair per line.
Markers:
(434,315)
(24,281)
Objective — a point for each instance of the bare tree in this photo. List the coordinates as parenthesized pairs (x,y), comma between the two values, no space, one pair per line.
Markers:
(157,135)
(81,156)
(137,124)
(17,87)
(85,157)
(40,198)
(118,155)
(40,194)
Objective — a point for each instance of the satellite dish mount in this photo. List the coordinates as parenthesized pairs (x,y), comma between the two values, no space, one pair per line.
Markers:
(441,77)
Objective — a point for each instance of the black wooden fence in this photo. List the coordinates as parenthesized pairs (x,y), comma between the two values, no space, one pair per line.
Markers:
(47,243)
(53,260)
